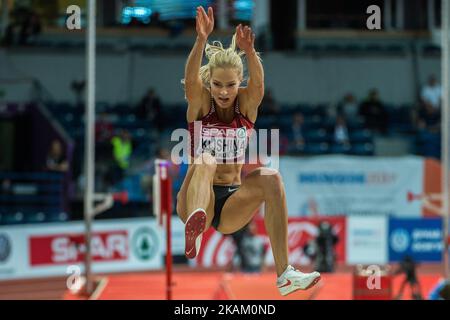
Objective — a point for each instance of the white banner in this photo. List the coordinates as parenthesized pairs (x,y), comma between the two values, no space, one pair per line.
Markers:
(47,250)
(346,185)
(367,240)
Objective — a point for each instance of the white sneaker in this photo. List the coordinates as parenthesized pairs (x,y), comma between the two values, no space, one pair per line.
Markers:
(292,280)
(195,225)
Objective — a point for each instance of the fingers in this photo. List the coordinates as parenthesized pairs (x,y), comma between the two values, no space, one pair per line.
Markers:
(211,14)
(244,32)
(240,31)
(199,16)
(248,34)
(203,13)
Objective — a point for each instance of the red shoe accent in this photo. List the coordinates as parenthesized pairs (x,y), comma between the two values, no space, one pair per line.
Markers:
(195,225)
(313,283)
(288,283)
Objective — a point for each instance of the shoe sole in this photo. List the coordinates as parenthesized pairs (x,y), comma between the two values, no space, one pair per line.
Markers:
(195,225)
(312,284)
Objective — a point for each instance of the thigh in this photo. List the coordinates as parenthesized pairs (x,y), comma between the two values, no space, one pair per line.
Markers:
(182,197)
(240,207)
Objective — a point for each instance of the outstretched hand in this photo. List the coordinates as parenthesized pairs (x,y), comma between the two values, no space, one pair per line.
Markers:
(204,23)
(245,38)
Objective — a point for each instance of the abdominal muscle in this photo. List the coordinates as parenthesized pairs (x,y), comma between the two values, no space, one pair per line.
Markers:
(228,174)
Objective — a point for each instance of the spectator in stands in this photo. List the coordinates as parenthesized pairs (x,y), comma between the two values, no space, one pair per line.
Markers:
(297,132)
(122,150)
(10,35)
(150,109)
(103,128)
(56,160)
(5,187)
(341,131)
(348,107)
(431,94)
(30,29)
(24,28)
(374,113)
(104,131)
(155,19)
(429,130)
(283,141)
(268,105)
(429,119)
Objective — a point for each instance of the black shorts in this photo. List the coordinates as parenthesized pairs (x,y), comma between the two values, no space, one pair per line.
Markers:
(221,193)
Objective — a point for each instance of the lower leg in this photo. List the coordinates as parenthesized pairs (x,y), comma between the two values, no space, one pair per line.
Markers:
(276,222)
(198,192)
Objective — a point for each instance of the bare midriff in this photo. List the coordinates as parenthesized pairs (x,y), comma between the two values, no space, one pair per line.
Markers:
(228,174)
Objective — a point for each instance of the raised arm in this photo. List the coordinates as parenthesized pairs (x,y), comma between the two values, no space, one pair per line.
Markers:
(195,91)
(254,92)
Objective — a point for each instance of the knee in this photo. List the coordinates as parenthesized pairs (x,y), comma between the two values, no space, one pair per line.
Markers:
(271,182)
(206,163)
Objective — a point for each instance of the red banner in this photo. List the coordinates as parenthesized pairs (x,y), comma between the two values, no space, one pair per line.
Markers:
(218,249)
(70,248)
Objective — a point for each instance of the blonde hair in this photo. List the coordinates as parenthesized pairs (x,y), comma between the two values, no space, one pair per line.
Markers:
(220,57)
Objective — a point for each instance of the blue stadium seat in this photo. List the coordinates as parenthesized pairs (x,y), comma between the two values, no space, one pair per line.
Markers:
(361,136)
(319,135)
(264,122)
(311,48)
(339,149)
(35,217)
(316,148)
(374,48)
(101,107)
(56,217)
(284,120)
(363,149)
(13,218)
(353,48)
(395,49)
(431,49)
(334,48)
(355,124)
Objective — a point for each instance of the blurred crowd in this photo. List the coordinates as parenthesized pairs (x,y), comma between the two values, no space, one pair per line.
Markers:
(24,27)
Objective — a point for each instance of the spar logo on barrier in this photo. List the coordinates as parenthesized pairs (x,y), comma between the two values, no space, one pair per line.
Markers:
(145,243)
(70,249)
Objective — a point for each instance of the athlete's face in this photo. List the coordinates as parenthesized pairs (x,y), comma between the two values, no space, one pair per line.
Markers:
(224,86)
